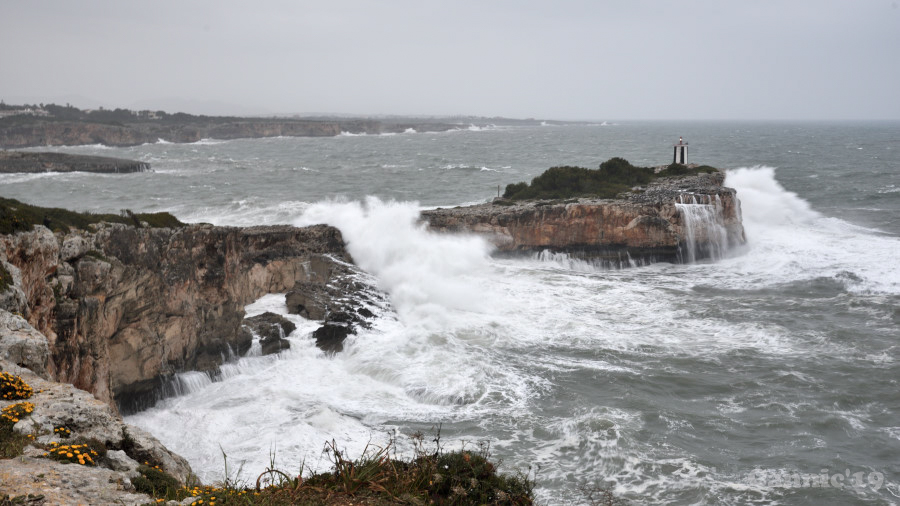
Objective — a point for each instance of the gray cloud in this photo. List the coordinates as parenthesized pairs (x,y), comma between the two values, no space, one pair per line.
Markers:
(561,59)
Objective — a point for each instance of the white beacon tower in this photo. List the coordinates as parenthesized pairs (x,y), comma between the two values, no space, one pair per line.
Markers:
(681,152)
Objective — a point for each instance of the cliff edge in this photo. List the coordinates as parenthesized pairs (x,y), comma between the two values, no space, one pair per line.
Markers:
(124,308)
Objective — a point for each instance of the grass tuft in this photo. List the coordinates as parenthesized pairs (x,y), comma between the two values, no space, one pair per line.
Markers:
(431,476)
(6,279)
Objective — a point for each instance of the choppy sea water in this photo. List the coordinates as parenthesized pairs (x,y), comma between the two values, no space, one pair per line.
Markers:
(767,377)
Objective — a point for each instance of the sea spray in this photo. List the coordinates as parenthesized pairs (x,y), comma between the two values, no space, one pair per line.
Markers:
(705,235)
(423,272)
(788,241)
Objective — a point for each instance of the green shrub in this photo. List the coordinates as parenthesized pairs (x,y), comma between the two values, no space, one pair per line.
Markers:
(155,482)
(612,178)
(677,169)
(12,443)
(5,278)
(16,216)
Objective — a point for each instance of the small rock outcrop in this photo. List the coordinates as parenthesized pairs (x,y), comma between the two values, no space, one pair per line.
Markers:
(18,161)
(271,329)
(341,304)
(647,225)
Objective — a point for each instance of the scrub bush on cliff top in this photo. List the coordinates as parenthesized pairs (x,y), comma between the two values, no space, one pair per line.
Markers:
(17,216)
(377,477)
(613,177)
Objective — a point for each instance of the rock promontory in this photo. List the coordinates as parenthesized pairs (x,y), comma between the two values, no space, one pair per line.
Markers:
(671,219)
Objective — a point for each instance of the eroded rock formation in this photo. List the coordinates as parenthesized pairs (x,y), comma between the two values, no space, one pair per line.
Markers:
(125,308)
(271,329)
(647,225)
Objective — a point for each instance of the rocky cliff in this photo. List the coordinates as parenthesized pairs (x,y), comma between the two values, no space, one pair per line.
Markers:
(671,219)
(125,308)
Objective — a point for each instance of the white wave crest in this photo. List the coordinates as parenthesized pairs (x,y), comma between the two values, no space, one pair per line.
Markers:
(789,241)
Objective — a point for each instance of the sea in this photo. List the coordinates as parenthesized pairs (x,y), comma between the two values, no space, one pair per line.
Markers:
(770,375)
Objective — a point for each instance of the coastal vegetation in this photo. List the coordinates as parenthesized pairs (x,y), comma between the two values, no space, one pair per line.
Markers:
(613,177)
(377,477)
(17,216)
(12,387)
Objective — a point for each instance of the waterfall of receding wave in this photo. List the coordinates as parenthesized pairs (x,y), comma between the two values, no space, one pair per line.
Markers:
(705,235)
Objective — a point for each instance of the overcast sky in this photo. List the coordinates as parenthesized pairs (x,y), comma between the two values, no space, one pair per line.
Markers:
(559,59)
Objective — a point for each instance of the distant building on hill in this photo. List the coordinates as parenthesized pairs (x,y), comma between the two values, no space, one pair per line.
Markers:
(27,111)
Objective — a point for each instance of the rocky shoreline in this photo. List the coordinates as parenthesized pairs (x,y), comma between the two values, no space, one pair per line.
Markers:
(648,224)
(126,308)
(41,132)
(27,162)
(99,320)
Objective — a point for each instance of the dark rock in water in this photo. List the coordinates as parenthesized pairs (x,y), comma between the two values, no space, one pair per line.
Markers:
(269,325)
(339,302)
(244,340)
(271,329)
(16,161)
(338,325)
(342,317)
(330,337)
(274,345)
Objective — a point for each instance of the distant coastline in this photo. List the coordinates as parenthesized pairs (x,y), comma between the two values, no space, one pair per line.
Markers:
(53,125)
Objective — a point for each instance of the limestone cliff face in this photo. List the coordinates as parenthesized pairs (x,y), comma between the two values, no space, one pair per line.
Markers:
(649,225)
(123,308)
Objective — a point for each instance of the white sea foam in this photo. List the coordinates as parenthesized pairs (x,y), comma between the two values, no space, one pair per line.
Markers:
(25,177)
(207,142)
(789,241)
(246,213)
